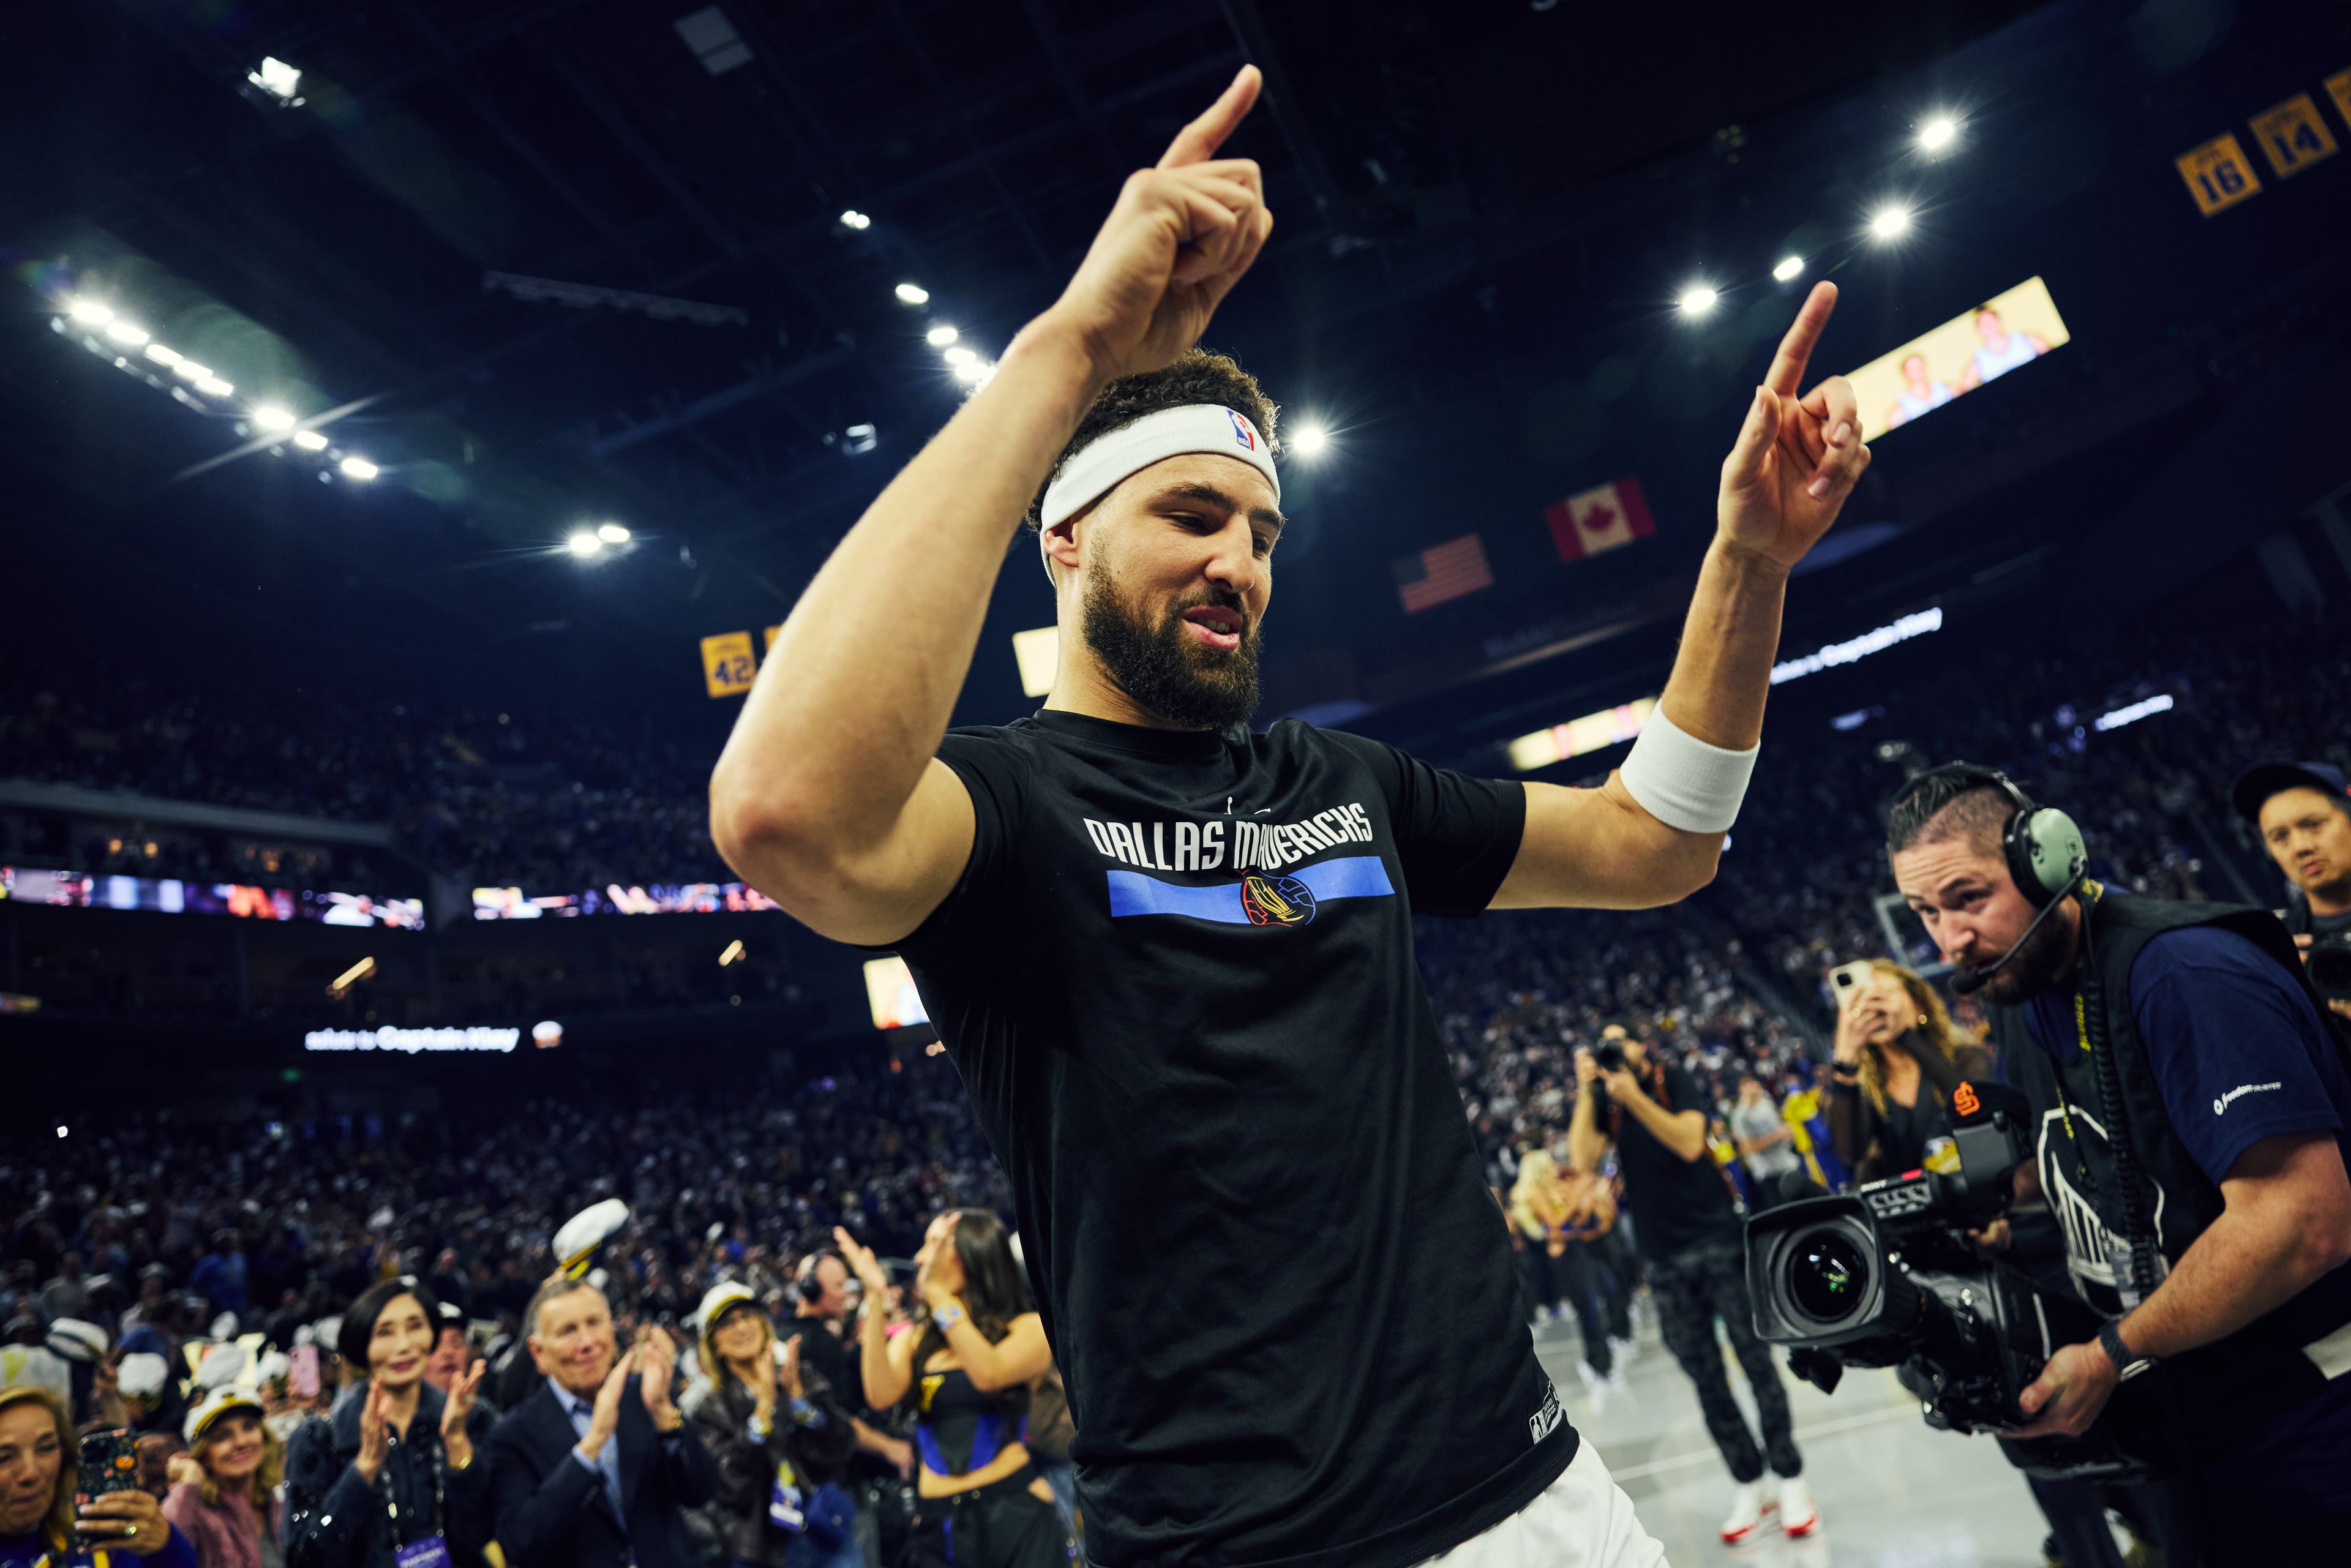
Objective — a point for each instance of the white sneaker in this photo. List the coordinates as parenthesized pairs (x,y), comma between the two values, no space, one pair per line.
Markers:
(1590,1379)
(1798,1515)
(1747,1505)
(1621,1349)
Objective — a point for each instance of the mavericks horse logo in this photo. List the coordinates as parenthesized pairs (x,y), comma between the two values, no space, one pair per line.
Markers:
(1277,900)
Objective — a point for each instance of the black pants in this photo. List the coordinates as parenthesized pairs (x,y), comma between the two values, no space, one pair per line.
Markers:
(1000,1525)
(1601,1302)
(1692,1289)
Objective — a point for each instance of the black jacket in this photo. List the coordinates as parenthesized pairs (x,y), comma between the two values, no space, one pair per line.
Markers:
(335,1520)
(551,1510)
(817,1448)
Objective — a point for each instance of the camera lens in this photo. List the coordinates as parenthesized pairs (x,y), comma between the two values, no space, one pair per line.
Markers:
(1827,1275)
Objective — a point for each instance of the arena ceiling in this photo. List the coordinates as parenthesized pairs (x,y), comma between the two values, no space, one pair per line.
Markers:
(569,262)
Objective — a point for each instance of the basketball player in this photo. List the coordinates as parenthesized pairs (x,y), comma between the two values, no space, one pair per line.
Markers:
(1172,959)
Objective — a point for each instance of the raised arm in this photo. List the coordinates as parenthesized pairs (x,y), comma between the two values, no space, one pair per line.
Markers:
(1795,463)
(829,796)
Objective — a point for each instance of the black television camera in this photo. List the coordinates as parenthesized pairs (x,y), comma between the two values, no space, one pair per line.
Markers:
(1885,1276)
(2329,964)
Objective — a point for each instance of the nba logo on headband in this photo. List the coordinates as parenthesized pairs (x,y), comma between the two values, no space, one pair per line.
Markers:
(1243,432)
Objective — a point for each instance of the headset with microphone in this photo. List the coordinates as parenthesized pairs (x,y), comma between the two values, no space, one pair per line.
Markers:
(2041,844)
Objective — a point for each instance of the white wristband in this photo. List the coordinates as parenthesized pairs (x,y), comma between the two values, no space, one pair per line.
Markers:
(1683,782)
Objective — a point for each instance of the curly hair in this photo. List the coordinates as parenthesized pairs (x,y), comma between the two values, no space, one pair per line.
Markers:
(1196,376)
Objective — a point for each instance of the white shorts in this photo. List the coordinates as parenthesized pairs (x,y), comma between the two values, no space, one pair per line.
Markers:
(1583,1519)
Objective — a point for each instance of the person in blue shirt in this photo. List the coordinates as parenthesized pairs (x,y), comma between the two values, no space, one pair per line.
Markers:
(37,1516)
(2234,1092)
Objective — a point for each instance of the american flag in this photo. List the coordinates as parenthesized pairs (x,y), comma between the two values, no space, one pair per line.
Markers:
(1442,573)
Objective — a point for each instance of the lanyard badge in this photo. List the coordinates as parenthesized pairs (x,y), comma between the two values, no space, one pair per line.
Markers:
(786,1507)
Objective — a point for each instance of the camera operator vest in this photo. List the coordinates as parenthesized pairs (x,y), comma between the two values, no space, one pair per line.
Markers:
(2236,1383)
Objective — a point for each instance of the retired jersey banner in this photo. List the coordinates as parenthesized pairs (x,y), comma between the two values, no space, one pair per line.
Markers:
(726,664)
(1442,573)
(1599,519)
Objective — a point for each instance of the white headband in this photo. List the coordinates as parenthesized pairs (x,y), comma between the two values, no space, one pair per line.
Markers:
(1131,448)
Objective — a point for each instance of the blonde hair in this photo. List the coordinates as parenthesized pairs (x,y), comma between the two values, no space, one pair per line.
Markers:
(706,1349)
(1934,1026)
(266,1480)
(1538,1182)
(60,1517)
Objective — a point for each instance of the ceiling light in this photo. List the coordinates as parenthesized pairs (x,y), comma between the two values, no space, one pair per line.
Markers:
(1310,439)
(1889,222)
(914,294)
(940,337)
(189,371)
(277,77)
(959,356)
(212,386)
(90,312)
(269,416)
(853,219)
(613,534)
(310,441)
(358,468)
(1790,267)
(584,545)
(973,372)
(161,355)
(1697,300)
(1938,133)
(126,333)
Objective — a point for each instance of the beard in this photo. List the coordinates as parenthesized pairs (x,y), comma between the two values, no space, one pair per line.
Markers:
(2039,961)
(1163,669)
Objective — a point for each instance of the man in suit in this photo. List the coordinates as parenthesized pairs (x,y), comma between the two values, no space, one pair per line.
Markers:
(597,1467)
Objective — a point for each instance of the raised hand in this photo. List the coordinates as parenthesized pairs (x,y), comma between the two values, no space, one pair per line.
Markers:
(1796,459)
(604,1416)
(861,1264)
(1181,235)
(455,1442)
(375,1435)
(788,1375)
(657,1365)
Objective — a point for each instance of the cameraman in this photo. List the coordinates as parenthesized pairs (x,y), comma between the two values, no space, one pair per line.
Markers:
(2213,1051)
(2303,812)
(1689,1235)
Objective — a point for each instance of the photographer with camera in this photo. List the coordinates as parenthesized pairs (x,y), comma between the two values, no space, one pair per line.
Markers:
(1689,1233)
(2303,812)
(2188,1106)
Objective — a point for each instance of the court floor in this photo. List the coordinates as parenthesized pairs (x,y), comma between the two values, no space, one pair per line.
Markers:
(1892,1493)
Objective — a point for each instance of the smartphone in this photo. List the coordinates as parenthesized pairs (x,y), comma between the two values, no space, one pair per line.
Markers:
(302,1372)
(1845,981)
(109,1462)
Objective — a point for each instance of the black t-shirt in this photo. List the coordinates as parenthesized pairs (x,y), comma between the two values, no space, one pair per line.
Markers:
(1677,1204)
(834,1355)
(1178,979)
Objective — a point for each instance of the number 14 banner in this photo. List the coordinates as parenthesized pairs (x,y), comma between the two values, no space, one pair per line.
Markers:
(1599,519)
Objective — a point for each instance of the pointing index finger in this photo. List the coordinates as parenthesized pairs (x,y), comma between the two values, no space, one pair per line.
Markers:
(1787,371)
(1198,141)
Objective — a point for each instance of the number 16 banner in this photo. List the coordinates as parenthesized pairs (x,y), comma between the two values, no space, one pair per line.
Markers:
(1599,519)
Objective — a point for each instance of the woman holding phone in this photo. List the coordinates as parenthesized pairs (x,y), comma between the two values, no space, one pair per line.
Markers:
(1898,1062)
(39,1459)
(976,1346)
(394,1467)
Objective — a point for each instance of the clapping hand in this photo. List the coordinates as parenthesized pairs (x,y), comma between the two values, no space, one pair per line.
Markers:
(604,1416)
(865,1265)
(455,1442)
(656,1356)
(375,1434)
(1181,235)
(1796,459)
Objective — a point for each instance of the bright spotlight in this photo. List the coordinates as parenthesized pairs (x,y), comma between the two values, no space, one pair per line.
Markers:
(1790,267)
(358,468)
(269,416)
(1938,133)
(310,441)
(853,219)
(212,386)
(277,77)
(90,312)
(613,534)
(974,371)
(61,1129)
(584,545)
(1310,439)
(1697,300)
(161,355)
(1889,222)
(959,356)
(914,294)
(189,371)
(129,334)
(940,337)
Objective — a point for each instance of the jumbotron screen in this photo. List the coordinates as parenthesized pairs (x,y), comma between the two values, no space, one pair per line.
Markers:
(1951,360)
(889,992)
(168,895)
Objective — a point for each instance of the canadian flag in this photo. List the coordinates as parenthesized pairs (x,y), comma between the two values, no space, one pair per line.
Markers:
(1599,519)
